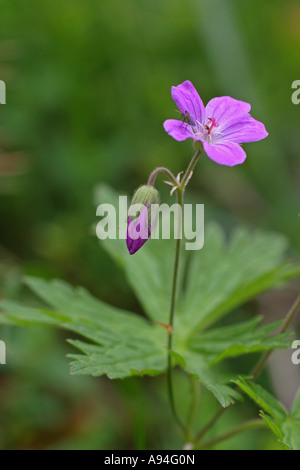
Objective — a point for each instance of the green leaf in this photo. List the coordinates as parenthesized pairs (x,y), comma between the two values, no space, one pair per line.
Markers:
(275,428)
(286,427)
(291,426)
(272,425)
(219,278)
(124,344)
(214,380)
(116,362)
(224,275)
(263,399)
(238,339)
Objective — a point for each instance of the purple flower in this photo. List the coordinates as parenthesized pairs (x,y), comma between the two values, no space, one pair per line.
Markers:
(141,217)
(138,231)
(221,126)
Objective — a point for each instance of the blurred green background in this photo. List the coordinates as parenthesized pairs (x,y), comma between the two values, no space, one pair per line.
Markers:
(88,88)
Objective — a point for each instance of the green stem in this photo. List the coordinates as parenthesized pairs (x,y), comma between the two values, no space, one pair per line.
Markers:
(195,386)
(180,196)
(180,199)
(190,169)
(252,424)
(210,424)
(161,170)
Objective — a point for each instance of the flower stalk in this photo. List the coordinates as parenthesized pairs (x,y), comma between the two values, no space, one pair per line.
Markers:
(161,170)
(180,199)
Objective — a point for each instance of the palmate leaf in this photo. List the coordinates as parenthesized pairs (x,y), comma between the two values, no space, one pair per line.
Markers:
(286,427)
(220,277)
(119,343)
(224,275)
(123,344)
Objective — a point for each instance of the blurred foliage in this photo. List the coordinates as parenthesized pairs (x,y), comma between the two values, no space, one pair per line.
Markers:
(88,87)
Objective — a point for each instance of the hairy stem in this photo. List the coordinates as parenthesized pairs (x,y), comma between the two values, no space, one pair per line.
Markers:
(161,170)
(190,169)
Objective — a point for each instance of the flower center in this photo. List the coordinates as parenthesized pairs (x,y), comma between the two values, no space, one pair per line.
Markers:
(207,131)
(213,123)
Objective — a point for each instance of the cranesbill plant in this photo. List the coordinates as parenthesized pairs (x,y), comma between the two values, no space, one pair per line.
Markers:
(218,279)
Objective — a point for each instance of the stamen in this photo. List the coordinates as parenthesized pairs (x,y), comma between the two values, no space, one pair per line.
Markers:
(214,123)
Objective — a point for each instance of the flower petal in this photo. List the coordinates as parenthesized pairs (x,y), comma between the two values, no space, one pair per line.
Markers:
(243,129)
(224,109)
(138,232)
(187,99)
(178,130)
(225,153)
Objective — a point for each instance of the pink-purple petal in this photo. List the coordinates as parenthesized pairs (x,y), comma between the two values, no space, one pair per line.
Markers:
(138,232)
(187,99)
(225,108)
(244,129)
(225,153)
(179,130)
(221,126)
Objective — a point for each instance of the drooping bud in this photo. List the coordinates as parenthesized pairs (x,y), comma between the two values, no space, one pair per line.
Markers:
(140,217)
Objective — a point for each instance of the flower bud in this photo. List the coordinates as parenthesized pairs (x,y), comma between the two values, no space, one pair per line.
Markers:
(140,224)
